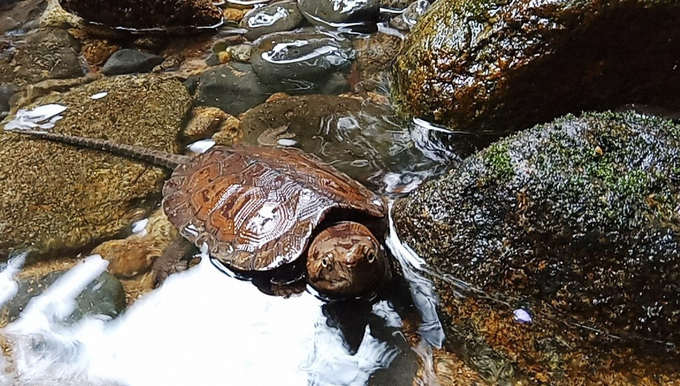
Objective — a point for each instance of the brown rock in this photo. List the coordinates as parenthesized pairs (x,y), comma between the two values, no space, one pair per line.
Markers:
(147,14)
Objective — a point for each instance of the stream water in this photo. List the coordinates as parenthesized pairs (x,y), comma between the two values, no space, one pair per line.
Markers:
(204,327)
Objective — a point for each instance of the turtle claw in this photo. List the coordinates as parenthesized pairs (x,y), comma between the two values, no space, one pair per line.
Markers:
(177,257)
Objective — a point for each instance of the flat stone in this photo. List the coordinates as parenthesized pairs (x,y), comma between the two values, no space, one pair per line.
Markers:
(233,87)
(57,197)
(127,61)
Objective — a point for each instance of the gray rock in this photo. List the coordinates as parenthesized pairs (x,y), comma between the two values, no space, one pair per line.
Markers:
(359,15)
(575,222)
(277,17)
(234,88)
(103,296)
(127,61)
(301,61)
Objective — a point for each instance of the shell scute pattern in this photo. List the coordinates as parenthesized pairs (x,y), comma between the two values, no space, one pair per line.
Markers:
(256,208)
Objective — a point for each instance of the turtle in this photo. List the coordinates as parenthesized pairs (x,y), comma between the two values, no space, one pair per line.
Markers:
(262,208)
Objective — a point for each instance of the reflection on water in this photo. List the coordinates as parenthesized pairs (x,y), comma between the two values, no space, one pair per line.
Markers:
(203,328)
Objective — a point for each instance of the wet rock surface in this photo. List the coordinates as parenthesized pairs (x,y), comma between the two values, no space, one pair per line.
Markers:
(407,19)
(277,17)
(363,140)
(65,198)
(574,222)
(103,296)
(127,61)
(504,66)
(359,15)
(375,56)
(46,53)
(233,88)
(302,61)
(18,17)
(135,254)
(148,14)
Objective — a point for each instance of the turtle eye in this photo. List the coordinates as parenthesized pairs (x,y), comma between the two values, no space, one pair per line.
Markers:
(371,257)
(326,261)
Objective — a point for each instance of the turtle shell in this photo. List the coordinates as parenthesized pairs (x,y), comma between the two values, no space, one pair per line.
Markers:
(256,207)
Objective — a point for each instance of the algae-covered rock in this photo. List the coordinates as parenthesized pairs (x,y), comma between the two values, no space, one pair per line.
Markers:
(575,222)
(57,196)
(507,65)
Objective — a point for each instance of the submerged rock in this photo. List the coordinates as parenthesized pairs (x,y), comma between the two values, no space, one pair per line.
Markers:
(127,61)
(301,61)
(362,139)
(374,59)
(234,88)
(46,53)
(59,197)
(360,15)
(507,65)
(103,296)
(565,239)
(277,17)
(147,14)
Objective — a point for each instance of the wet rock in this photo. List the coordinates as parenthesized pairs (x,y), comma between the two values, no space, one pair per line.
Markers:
(277,17)
(346,14)
(66,198)
(575,224)
(55,16)
(375,57)
(234,88)
(407,19)
(507,65)
(361,139)
(395,4)
(98,51)
(21,16)
(300,62)
(135,254)
(206,121)
(103,296)
(147,15)
(127,61)
(46,53)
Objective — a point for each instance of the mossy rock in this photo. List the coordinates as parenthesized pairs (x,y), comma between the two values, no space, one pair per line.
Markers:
(574,221)
(502,66)
(58,198)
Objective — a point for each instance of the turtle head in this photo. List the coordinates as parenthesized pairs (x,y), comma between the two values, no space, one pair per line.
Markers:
(345,259)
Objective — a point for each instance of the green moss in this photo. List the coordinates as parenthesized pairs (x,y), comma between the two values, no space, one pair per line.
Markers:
(498,162)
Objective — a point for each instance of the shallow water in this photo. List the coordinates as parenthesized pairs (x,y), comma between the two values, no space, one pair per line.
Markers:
(205,327)
(200,327)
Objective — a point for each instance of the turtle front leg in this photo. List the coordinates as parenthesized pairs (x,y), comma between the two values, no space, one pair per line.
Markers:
(176,257)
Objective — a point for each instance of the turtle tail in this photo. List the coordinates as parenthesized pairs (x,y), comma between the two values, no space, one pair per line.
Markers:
(155,157)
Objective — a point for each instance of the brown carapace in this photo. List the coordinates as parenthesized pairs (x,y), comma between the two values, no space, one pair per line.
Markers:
(257,209)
